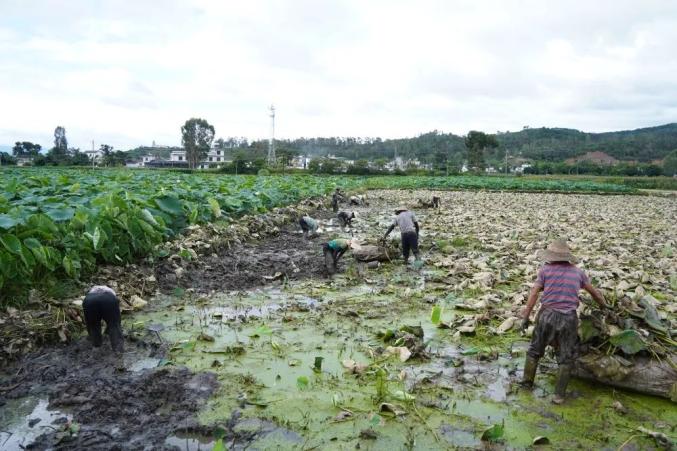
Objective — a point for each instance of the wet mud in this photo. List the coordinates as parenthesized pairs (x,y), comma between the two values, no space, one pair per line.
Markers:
(106,408)
(287,256)
(284,256)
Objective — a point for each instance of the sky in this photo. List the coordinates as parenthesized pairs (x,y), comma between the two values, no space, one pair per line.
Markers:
(130,72)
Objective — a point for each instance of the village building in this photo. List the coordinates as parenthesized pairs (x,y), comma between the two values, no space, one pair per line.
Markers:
(94,156)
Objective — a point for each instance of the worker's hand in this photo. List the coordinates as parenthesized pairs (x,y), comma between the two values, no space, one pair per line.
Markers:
(524,325)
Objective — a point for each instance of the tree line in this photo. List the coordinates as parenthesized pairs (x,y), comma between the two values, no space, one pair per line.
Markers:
(446,153)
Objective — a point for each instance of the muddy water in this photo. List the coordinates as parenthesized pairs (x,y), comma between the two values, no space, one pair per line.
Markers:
(263,368)
(265,344)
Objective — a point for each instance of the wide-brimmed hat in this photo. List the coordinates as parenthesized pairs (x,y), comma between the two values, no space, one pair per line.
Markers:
(557,251)
(401,208)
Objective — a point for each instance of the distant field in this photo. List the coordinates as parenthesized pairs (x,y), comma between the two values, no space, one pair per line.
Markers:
(497,183)
(659,183)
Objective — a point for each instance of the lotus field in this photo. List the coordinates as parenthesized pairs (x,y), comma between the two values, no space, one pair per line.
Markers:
(60,223)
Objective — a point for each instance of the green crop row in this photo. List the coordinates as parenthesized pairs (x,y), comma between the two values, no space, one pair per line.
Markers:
(494,183)
(59,224)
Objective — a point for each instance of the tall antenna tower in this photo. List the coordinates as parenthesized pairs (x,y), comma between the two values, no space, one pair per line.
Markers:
(271,143)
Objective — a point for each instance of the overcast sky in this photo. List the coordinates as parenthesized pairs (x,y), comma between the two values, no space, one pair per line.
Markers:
(127,72)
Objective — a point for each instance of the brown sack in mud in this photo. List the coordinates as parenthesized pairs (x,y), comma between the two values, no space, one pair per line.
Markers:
(640,374)
(371,253)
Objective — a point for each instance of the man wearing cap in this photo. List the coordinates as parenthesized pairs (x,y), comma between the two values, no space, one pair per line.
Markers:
(333,251)
(406,220)
(556,322)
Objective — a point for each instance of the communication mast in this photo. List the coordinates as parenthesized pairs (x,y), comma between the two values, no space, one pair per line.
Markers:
(271,142)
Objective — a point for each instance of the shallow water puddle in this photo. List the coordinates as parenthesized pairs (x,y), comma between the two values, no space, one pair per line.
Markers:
(23,420)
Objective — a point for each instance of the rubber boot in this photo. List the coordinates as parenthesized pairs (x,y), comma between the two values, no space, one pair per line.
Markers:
(530,367)
(563,377)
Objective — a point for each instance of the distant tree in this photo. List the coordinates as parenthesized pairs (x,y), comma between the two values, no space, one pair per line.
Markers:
(670,164)
(476,143)
(26,149)
(652,170)
(106,149)
(315,166)
(239,161)
(118,158)
(196,136)
(60,141)
(380,164)
(6,159)
(77,158)
(285,156)
(360,167)
(107,157)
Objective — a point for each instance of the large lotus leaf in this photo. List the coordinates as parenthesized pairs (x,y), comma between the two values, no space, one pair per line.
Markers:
(630,341)
(43,225)
(7,222)
(232,204)
(60,213)
(169,204)
(11,243)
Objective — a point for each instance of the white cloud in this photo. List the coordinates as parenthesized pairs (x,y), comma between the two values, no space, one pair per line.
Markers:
(129,72)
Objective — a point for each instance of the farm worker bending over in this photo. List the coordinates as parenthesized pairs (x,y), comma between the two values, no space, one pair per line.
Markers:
(556,322)
(408,225)
(308,225)
(346,219)
(333,250)
(338,195)
(101,303)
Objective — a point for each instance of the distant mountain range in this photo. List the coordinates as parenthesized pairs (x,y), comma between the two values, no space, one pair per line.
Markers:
(555,144)
(537,144)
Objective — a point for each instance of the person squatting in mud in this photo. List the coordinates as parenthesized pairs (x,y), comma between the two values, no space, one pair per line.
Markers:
(358,200)
(406,221)
(434,203)
(333,251)
(335,198)
(556,322)
(102,304)
(345,219)
(308,226)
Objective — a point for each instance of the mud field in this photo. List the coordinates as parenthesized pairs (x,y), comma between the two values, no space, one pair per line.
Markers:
(259,349)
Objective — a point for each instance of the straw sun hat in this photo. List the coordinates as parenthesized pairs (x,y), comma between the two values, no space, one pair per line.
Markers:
(401,208)
(557,251)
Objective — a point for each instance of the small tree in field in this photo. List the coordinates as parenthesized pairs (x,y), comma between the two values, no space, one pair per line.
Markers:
(670,164)
(476,143)
(196,136)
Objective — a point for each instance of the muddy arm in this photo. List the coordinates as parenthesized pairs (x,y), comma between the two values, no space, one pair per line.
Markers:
(596,295)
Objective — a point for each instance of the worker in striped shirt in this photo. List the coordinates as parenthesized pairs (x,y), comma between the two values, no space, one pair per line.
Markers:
(556,322)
